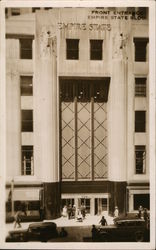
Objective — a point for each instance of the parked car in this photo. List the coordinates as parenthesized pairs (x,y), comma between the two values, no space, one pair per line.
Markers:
(125,229)
(43,232)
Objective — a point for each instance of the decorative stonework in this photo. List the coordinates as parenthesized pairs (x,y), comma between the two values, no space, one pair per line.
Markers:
(119,46)
(47,42)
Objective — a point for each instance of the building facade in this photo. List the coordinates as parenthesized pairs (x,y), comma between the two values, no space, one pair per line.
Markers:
(77,109)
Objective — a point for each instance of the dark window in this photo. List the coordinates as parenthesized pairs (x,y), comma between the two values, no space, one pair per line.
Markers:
(138,12)
(48,8)
(27,160)
(143,12)
(141,200)
(72,49)
(27,120)
(140,49)
(140,121)
(96,49)
(26,85)
(26,48)
(140,159)
(34,9)
(66,202)
(84,90)
(15,11)
(140,86)
(33,205)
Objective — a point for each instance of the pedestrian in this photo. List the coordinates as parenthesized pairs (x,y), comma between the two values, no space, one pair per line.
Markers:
(103,221)
(95,233)
(146,217)
(74,211)
(140,209)
(64,212)
(83,210)
(69,211)
(41,211)
(17,218)
(63,232)
(79,216)
(116,212)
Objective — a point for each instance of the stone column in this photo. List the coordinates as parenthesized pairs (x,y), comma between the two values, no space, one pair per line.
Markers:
(46,119)
(92,206)
(13,110)
(117,115)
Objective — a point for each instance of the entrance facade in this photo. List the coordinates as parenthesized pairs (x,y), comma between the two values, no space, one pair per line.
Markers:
(84,140)
(94,205)
(83,129)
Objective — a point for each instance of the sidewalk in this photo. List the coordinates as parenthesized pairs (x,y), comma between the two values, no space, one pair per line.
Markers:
(65,222)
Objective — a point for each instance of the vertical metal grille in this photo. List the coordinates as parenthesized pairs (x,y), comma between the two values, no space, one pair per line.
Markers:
(100,141)
(68,138)
(84,140)
(83,130)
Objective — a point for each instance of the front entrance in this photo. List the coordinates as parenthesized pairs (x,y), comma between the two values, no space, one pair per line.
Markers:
(86,203)
(101,205)
(96,204)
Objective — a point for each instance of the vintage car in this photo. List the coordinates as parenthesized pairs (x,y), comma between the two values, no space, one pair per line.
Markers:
(124,229)
(43,232)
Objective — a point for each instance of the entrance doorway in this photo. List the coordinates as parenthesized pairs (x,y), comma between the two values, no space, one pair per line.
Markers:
(86,203)
(101,205)
(66,202)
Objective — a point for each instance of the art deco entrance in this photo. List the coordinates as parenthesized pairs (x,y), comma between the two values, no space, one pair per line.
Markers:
(101,205)
(83,129)
(96,204)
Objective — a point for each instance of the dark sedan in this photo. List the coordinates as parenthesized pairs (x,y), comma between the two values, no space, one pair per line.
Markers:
(125,229)
(43,232)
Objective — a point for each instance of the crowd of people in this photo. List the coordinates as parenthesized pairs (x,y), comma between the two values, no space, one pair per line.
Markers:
(73,212)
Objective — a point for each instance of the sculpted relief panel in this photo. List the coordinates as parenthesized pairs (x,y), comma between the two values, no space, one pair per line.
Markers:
(47,41)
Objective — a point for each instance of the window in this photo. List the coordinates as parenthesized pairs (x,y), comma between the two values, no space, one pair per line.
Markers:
(26,85)
(140,13)
(140,158)
(140,86)
(15,11)
(25,48)
(27,120)
(141,200)
(72,49)
(27,160)
(143,12)
(66,202)
(96,49)
(140,49)
(140,121)
(48,8)
(34,9)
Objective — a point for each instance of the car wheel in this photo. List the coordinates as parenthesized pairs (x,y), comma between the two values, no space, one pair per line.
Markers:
(139,237)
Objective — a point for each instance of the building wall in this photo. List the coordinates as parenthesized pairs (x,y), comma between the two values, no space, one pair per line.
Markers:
(47,66)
